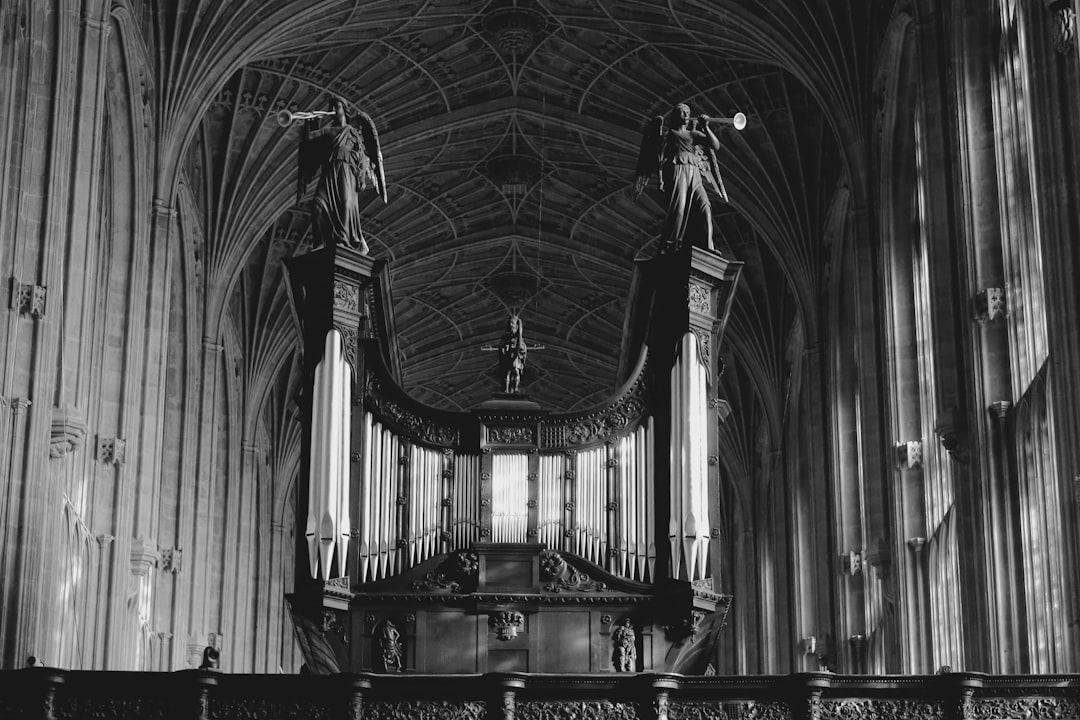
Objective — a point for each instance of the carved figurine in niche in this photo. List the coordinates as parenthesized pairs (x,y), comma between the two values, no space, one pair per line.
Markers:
(682,151)
(624,647)
(348,159)
(390,649)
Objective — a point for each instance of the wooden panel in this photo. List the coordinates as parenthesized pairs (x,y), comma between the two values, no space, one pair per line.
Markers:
(564,641)
(451,643)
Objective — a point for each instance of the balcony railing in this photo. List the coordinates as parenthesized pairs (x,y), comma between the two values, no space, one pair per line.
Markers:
(44,694)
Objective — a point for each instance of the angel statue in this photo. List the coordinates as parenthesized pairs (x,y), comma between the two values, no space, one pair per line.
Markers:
(682,151)
(349,159)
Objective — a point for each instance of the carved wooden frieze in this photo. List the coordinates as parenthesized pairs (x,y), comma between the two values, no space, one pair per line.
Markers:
(396,415)
(511,435)
(1030,708)
(426,710)
(587,710)
(598,426)
(113,708)
(738,710)
(269,709)
(884,709)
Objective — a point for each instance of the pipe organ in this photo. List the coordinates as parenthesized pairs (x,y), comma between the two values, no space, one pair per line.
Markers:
(491,516)
(415,502)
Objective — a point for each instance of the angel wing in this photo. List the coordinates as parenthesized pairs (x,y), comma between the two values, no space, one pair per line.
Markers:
(309,158)
(648,163)
(374,164)
(710,169)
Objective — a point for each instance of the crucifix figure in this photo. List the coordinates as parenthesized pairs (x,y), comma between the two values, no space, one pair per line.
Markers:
(512,351)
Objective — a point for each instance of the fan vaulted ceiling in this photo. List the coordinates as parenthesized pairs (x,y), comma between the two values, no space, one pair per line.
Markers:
(510,132)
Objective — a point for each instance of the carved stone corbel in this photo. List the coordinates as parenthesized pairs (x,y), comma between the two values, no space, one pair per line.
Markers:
(952,430)
(67,432)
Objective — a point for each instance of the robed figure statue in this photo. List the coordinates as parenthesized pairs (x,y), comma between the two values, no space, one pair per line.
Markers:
(682,152)
(346,155)
(512,353)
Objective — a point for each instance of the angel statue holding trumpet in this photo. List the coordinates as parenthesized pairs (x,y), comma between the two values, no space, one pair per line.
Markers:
(682,151)
(348,159)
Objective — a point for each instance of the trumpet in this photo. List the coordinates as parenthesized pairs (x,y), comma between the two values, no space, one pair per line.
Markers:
(285,118)
(737,121)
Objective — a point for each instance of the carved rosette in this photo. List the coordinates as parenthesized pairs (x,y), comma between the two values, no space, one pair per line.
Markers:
(346,296)
(562,577)
(697,297)
(458,573)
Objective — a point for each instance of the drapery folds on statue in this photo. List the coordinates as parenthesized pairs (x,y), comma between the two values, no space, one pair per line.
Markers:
(348,159)
(683,153)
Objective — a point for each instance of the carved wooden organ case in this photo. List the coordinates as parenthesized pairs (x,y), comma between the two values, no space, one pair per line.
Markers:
(508,538)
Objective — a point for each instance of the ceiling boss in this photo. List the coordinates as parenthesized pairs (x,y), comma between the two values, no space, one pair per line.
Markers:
(346,155)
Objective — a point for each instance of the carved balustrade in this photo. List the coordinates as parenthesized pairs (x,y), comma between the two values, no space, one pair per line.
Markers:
(49,693)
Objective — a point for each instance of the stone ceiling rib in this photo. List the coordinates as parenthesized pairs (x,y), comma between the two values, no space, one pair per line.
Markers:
(445,100)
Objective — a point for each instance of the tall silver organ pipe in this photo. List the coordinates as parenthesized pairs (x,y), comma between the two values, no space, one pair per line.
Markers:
(509,497)
(414,502)
(465,501)
(550,502)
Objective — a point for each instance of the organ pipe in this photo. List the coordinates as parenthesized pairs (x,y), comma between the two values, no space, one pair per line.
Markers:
(597,502)
(328,509)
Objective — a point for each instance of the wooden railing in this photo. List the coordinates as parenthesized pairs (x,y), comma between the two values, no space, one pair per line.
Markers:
(45,694)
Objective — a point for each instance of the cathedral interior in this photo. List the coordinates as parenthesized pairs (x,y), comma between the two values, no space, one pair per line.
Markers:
(890,412)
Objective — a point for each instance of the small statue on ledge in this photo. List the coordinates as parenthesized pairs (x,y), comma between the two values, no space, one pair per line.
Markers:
(211,658)
(624,647)
(682,151)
